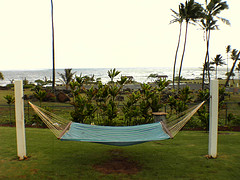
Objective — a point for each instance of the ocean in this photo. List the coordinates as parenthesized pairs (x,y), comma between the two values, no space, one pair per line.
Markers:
(139,74)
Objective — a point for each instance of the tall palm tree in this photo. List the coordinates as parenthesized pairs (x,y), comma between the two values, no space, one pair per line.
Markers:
(178,17)
(228,50)
(67,76)
(234,56)
(1,76)
(53,50)
(213,8)
(218,61)
(193,11)
(207,24)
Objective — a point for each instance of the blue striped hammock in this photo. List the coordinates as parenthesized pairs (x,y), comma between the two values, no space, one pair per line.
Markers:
(118,136)
(66,130)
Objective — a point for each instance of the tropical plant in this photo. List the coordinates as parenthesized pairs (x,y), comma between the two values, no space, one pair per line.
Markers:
(208,23)
(235,57)
(207,68)
(89,79)
(178,17)
(101,100)
(130,108)
(203,115)
(66,77)
(112,73)
(40,95)
(228,50)
(162,84)
(172,101)
(185,95)
(203,94)
(111,106)
(1,76)
(145,103)
(192,12)
(10,100)
(25,81)
(83,106)
(218,61)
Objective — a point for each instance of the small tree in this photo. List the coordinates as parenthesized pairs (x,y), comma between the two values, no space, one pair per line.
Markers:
(25,81)
(66,77)
(112,73)
(218,61)
(40,95)
(130,108)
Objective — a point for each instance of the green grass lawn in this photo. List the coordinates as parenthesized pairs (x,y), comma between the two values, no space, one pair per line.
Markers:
(180,158)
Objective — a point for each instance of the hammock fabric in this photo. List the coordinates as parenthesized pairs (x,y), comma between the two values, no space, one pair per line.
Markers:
(119,136)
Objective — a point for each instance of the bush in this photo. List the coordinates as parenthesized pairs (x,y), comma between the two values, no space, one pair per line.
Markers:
(233,120)
(10,85)
(28,86)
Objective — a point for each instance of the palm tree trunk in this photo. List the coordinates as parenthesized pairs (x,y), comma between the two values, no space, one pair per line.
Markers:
(232,69)
(175,60)
(216,72)
(53,50)
(208,59)
(184,47)
(205,61)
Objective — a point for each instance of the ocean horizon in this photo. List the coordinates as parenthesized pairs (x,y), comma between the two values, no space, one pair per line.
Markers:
(140,74)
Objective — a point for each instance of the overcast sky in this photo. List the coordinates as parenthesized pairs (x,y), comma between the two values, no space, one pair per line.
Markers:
(103,33)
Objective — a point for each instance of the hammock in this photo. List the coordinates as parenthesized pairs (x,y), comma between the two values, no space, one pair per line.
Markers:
(118,135)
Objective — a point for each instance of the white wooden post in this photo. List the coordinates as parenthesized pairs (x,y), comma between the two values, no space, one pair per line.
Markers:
(213,119)
(20,126)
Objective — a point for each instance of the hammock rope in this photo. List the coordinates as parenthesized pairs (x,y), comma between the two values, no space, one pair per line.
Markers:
(177,122)
(121,136)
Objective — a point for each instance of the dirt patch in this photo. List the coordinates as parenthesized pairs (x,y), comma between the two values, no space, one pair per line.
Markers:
(118,164)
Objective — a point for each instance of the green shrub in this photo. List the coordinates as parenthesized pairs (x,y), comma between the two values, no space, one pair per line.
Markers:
(28,86)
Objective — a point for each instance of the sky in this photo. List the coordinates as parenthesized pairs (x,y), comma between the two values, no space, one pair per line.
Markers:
(104,34)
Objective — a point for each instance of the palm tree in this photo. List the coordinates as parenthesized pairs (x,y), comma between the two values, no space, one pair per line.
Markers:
(228,50)
(207,24)
(213,8)
(207,66)
(178,17)
(53,49)
(1,76)
(234,56)
(67,77)
(113,73)
(218,61)
(192,12)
